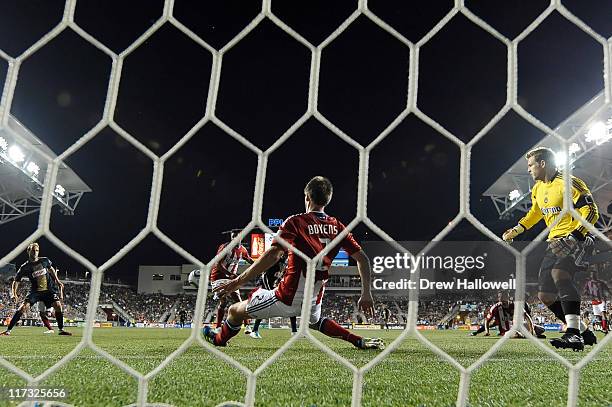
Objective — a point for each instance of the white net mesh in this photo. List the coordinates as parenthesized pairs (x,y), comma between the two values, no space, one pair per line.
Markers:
(167,17)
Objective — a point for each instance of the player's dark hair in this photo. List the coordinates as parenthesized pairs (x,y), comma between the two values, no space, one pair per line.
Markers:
(319,189)
(542,154)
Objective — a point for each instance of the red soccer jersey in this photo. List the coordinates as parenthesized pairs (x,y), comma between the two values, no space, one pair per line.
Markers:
(596,289)
(309,233)
(502,316)
(228,265)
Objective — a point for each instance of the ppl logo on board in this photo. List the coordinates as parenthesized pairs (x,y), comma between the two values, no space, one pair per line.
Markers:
(274,222)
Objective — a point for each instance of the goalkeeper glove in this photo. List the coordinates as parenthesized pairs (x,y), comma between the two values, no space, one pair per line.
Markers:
(510,234)
(586,251)
(564,246)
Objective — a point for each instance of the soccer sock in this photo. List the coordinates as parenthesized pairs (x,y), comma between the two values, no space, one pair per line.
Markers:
(557,309)
(256,325)
(14,320)
(45,321)
(331,328)
(480,330)
(293,321)
(59,317)
(604,324)
(220,313)
(569,296)
(228,331)
(573,322)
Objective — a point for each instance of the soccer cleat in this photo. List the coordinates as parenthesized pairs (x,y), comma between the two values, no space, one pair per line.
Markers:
(589,338)
(247,330)
(5,333)
(569,341)
(541,336)
(371,343)
(64,333)
(209,334)
(50,331)
(255,335)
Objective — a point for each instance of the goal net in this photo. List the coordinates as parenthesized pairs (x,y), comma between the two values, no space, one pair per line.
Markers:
(362,10)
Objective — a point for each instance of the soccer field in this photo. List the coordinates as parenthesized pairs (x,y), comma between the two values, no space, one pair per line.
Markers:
(518,375)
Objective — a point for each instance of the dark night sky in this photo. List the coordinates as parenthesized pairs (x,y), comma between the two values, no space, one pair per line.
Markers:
(209,183)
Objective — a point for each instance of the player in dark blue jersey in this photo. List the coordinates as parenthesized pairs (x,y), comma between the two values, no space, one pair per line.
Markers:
(45,287)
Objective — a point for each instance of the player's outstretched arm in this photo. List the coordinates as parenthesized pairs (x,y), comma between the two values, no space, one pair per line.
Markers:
(14,290)
(531,218)
(510,234)
(366,302)
(267,260)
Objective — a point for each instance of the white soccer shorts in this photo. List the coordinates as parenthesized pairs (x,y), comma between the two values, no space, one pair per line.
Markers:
(598,309)
(220,282)
(263,304)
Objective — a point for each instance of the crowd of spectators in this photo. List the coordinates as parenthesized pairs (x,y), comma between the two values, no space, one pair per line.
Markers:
(140,307)
(342,307)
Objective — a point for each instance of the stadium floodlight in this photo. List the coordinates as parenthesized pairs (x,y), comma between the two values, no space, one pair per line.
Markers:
(33,168)
(3,144)
(574,148)
(60,190)
(15,153)
(560,158)
(599,132)
(514,195)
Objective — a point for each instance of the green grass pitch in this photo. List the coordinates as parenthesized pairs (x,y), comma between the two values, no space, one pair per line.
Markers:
(518,375)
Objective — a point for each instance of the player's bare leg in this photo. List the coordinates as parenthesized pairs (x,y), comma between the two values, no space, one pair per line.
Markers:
(23,308)
(59,317)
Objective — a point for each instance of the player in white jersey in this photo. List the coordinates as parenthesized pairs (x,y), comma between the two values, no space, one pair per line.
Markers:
(598,291)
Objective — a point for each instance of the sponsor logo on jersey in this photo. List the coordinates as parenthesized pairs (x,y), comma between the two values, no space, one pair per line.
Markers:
(551,211)
(39,270)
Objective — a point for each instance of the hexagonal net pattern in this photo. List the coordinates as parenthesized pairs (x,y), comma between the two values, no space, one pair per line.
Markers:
(167,17)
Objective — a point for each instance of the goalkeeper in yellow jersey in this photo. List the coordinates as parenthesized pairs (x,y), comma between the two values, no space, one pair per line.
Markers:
(567,242)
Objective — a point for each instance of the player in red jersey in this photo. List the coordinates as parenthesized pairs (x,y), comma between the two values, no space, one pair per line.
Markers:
(223,272)
(598,291)
(502,314)
(499,314)
(309,232)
